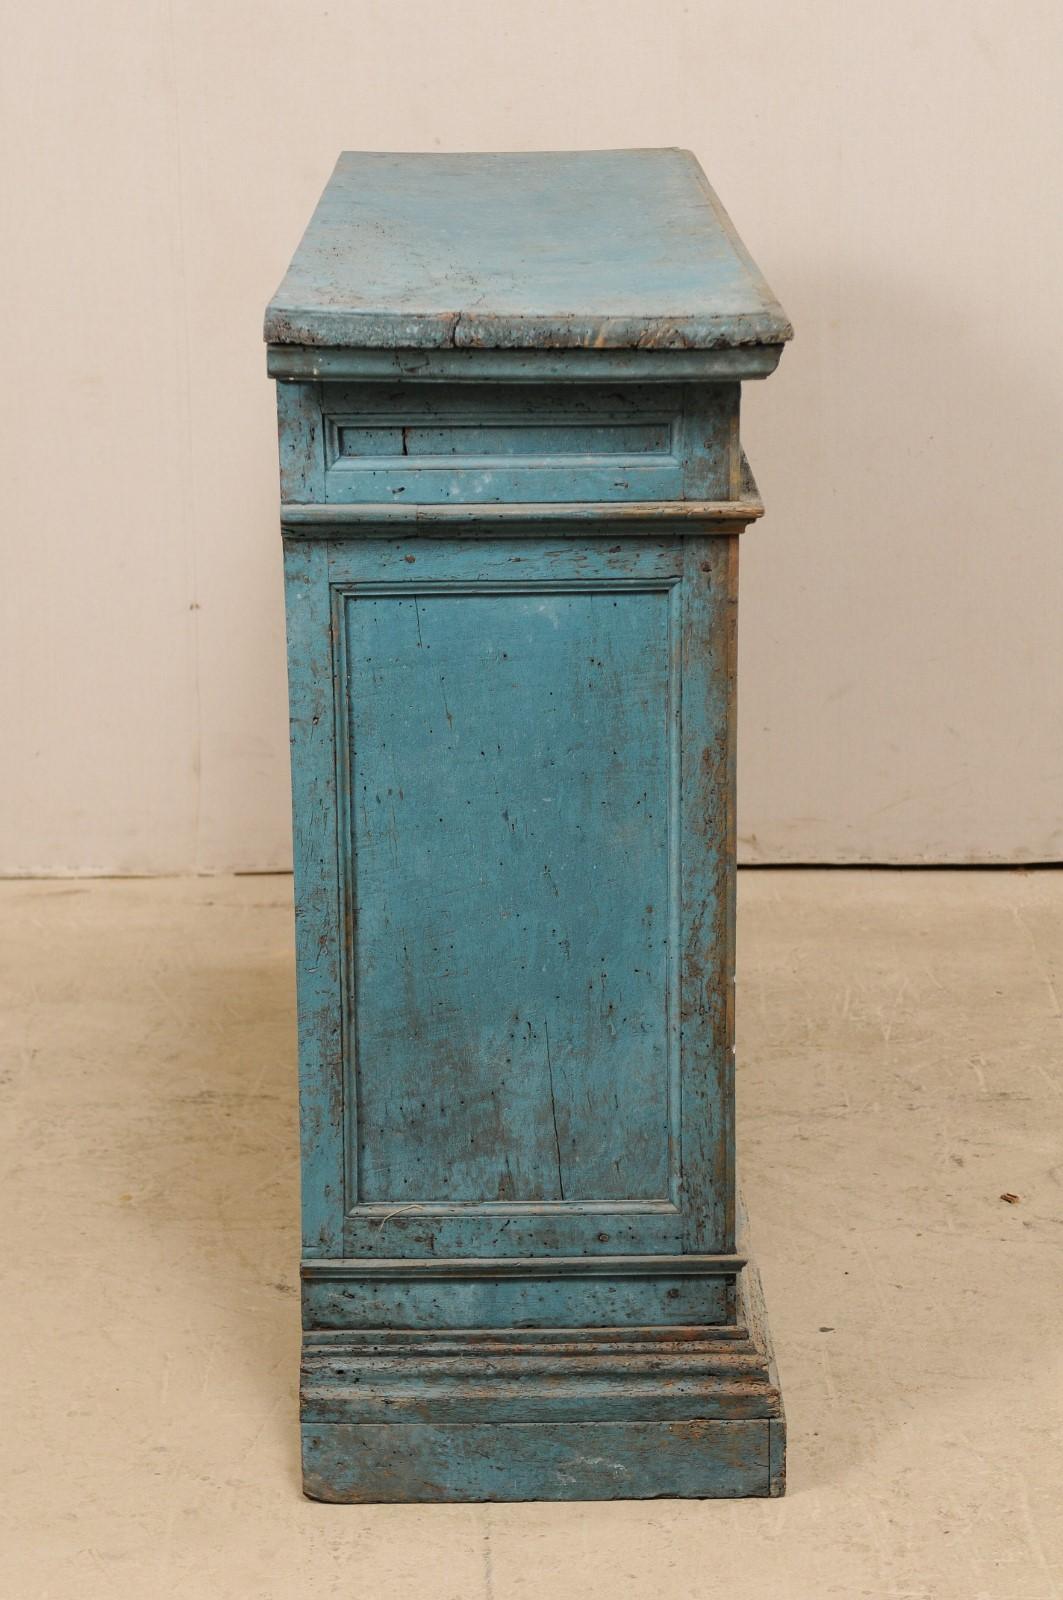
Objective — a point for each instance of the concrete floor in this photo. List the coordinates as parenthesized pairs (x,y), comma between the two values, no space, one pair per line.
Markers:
(900,1045)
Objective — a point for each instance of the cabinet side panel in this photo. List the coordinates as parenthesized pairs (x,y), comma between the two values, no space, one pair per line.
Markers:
(510,795)
(317,902)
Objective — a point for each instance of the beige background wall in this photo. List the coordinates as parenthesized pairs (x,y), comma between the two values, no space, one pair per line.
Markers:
(894,168)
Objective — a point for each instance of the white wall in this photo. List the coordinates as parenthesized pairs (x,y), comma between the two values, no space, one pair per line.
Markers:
(894,168)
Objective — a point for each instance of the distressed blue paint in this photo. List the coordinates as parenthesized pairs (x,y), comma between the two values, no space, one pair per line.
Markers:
(707,828)
(486,1302)
(377,444)
(312,362)
(592,726)
(357,1462)
(511,557)
(318,938)
(566,519)
(525,717)
(434,443)
(602,249)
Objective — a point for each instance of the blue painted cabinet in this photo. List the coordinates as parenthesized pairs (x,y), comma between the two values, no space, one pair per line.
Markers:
(512,488)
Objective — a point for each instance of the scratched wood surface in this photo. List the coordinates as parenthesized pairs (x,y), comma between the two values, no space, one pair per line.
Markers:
(512,488)
(590,248)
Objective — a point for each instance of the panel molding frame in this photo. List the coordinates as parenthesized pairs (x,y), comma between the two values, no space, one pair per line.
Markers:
(380,1212)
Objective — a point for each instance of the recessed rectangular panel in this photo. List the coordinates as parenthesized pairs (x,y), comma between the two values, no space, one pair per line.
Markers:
(377,445)
(474,443)
(511,784)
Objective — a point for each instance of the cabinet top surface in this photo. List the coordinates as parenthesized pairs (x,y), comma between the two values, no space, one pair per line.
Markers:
(594,249)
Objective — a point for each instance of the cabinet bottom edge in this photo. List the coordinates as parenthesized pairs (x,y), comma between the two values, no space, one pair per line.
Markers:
(378,1463)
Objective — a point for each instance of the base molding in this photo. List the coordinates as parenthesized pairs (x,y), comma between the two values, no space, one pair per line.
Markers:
(544,1414)
(358,1463)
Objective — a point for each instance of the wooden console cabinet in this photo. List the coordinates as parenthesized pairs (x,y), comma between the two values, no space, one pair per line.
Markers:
(512,490)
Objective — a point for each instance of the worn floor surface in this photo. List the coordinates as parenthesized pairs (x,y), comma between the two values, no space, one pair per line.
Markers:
(900,1047)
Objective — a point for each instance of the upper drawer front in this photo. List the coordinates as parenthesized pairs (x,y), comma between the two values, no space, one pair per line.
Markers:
(430,444)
